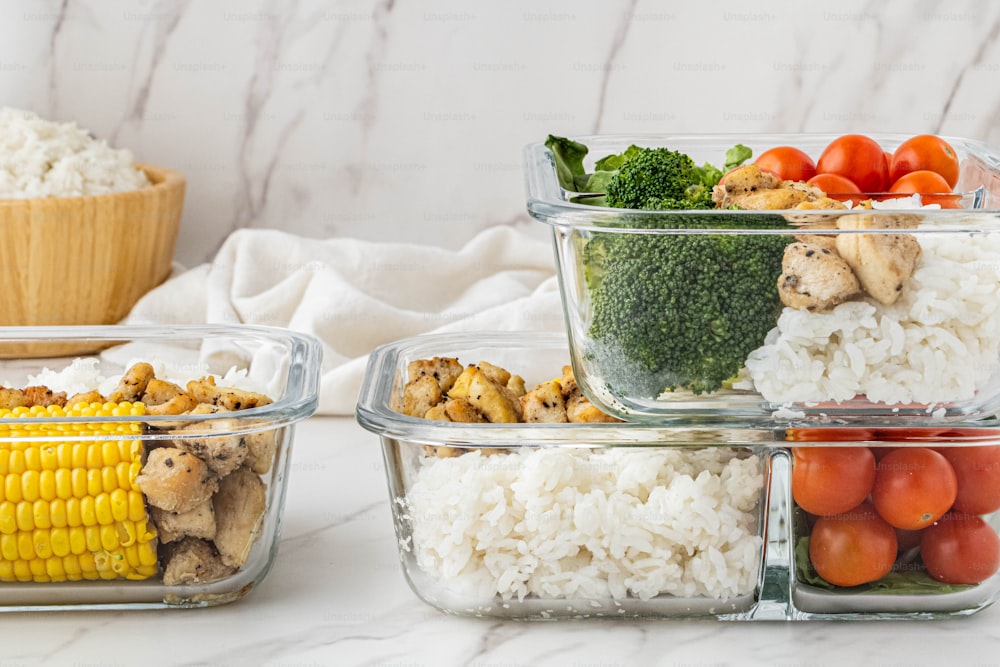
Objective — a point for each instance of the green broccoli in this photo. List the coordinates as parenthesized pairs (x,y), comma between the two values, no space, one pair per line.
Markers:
(681,311)
(660,178)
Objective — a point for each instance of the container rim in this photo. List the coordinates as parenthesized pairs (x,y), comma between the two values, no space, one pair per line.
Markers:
(387,364)
(299,400)
(548,202)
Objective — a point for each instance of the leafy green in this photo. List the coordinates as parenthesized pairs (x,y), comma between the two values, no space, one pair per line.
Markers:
(568,156)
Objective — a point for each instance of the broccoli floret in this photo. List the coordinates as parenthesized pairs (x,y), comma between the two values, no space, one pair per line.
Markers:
(660,178)
(681,311)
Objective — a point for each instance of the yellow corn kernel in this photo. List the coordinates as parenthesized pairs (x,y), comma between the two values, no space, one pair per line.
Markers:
(40,514)
(47,485)
(29,485)
(70,510)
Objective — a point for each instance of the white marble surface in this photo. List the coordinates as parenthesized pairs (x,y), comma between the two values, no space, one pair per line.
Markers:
(400,119)
(336,596)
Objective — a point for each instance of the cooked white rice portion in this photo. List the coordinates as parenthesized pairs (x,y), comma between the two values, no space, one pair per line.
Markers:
(577,523)
(938,343)
(42,158)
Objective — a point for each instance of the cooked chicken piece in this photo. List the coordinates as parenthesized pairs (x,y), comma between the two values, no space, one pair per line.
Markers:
(775,199)
(814,278)
(497,374)
(92,396)
(12,398)
(196,522)
(821,204)
(442,369)
(44,396)
(579,409)
(420,395)
(175,480)
(205,391)
(545,404)
(883,263)
(461,410)
(741,182)
(193,561)
(166,398)
(221,453)
(261,447)
(751,188)
(133,383)
(492,400)
(239,505)
(515,385)
(825,241)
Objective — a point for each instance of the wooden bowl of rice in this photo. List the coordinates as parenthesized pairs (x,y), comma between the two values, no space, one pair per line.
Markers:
(87,259)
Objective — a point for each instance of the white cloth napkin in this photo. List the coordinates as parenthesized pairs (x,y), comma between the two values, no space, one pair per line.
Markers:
(355,295)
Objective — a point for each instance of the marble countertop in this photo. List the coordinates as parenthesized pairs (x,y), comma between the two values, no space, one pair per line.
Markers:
(336,596)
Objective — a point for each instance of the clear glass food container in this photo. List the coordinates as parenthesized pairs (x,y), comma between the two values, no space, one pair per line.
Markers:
(680,313)
(78,529)
(691,519)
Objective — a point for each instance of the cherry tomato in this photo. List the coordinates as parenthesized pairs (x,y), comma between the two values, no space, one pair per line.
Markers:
(836,187)
(787,163)
(852,548)
(929,152)
(914,487)
(960,549)
(831,480)
(925,183)
(978,472)
(857,158)
(828,434)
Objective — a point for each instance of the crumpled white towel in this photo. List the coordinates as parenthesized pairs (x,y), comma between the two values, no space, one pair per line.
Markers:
(355,295)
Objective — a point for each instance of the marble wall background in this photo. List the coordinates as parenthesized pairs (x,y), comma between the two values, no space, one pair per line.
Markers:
(404,120)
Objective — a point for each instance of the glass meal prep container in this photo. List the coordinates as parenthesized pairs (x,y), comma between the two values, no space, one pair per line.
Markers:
(694,518)
(682,312)
(145,466)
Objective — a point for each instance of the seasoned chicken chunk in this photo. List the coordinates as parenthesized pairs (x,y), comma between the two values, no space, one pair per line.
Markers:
(815,278)
(166,398)
(443,369)
(228,398)
(133,383)
(545,404)
(261,448)
(13,398)
(222,453)
(198,521)
(239,505)
(420,395)
(44,396)
(194,561)
(494,401)
(882,262)
(93,396)
(175,480)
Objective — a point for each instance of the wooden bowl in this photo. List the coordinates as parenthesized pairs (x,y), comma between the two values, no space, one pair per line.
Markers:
(87,260)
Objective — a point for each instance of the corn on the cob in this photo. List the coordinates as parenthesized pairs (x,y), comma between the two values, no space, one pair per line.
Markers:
(70,509)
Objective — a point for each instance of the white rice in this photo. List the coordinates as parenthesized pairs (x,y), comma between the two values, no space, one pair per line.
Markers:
(42,158)
(578,523)
(84,374)
(938,343)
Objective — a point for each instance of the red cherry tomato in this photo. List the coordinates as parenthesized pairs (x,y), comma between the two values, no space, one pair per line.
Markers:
(929,152)
(852,548)
(787,163)
(978,472)
(929,185)
(857,158)
(831,480)
(836,187)
(960,549)
(914,487)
